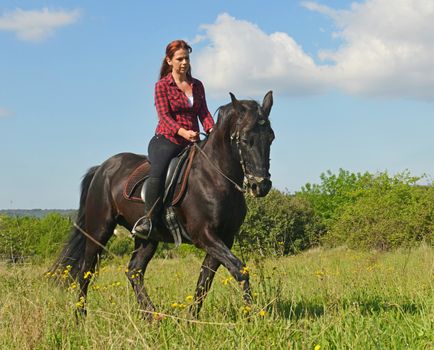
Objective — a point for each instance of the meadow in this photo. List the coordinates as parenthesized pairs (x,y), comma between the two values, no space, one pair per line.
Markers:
(319,299)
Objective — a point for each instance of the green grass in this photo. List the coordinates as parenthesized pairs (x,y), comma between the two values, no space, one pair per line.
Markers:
(335,299)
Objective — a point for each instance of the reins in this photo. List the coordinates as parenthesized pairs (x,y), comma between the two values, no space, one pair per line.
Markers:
(238,187)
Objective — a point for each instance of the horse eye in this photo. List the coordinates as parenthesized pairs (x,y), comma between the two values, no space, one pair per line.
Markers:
(248,142)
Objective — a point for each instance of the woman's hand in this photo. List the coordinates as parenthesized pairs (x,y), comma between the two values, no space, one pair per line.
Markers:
(189,135)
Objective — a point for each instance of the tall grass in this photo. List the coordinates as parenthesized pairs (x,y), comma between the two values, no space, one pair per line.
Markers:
(332,299)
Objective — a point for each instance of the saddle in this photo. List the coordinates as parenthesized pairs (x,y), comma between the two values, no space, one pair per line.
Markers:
(175,186)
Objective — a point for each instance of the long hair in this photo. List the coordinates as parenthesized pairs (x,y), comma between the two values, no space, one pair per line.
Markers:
(170,52)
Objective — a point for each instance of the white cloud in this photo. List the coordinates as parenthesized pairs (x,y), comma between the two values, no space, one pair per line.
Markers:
(240,56)
(36,25)
(387,49)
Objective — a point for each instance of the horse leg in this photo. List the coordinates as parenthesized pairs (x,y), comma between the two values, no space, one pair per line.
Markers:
(206,276)
(143,252)
(99,232)
(85,275)
(216,248)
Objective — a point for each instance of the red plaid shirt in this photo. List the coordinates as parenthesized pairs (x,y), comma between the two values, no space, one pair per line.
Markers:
(174,110)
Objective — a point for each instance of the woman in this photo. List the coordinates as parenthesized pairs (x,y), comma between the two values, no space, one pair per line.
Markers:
(180,101)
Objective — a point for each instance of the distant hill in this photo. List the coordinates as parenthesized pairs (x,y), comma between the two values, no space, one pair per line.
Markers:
(39,213)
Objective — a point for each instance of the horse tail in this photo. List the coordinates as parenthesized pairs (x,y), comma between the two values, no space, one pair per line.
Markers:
(70,260)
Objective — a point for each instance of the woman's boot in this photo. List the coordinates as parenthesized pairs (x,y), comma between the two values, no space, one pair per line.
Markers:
(153,204)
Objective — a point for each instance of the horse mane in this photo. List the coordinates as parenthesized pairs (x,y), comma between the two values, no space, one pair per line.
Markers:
(224,112)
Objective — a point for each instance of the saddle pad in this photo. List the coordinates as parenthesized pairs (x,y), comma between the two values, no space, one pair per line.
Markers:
(134,182)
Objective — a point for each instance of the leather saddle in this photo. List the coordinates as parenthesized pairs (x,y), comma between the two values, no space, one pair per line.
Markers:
(135,187)
(175,185)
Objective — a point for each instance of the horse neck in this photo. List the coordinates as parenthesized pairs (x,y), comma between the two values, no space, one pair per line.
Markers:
(221,153)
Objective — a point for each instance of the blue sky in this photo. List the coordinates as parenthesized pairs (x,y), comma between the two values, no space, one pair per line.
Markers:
(353,84)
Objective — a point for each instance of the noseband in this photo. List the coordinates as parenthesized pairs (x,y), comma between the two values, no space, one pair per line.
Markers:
(236,136)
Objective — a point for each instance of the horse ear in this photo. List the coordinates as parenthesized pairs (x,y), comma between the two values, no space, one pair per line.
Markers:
(267,103)
(235,102)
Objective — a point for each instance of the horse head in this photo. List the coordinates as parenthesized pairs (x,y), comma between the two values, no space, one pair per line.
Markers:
(252,135)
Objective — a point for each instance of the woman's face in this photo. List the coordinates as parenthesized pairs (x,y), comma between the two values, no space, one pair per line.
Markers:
(180,61)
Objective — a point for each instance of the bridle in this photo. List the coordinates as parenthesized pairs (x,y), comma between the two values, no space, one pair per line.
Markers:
(235,139)
(235,136)
(238,187)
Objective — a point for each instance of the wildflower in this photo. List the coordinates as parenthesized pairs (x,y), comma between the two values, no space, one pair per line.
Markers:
(317,347)
(48,274)
(246,309)
(189,298)
(80,303)
(73,286)
(174,305)
(319,274)
(262,313)
(227,280)
(245,270)
(182,306)
(87,275)
(255,294)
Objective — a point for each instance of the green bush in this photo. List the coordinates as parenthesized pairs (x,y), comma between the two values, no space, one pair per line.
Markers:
(392,212)
(277,224)
(25,237)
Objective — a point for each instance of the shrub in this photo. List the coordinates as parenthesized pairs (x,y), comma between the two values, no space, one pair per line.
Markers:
(24,237)
(392,212)
(277,224)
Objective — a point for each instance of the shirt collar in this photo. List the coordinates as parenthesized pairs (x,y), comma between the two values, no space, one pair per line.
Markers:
(171,81)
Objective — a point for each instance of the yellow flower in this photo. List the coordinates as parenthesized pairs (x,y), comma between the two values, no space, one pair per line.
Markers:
(262,313)
(174,305)
(319,274)
(245,270)
(80,303)
(317,347)
(189,298)
(227,280)
(87,275)
(247,309)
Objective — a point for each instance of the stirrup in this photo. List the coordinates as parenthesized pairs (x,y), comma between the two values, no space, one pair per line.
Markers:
(143,234)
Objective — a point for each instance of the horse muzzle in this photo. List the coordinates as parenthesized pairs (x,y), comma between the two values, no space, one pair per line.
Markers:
(258,186)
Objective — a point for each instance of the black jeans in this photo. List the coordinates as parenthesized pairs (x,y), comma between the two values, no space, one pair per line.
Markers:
(160,152)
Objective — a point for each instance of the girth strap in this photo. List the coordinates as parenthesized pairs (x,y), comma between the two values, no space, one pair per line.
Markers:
(179,195)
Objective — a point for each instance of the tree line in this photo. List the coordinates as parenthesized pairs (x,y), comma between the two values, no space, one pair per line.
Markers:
(362,211)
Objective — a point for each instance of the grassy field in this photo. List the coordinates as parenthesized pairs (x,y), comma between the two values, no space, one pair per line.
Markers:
(322,299)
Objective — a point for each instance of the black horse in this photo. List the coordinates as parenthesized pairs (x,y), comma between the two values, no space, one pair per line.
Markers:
(212,209)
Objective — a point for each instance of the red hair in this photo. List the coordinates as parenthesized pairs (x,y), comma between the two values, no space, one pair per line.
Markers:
(170,52)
